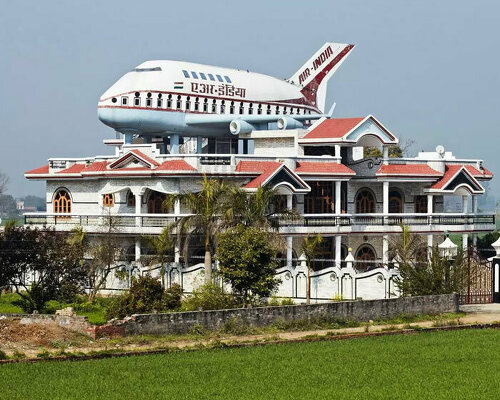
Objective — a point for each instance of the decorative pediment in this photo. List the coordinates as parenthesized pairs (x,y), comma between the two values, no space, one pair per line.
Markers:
(455,179)
(134,159)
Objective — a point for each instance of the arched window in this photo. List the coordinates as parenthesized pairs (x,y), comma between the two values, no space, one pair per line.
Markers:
(156,203)
(149,100)
(205,105)
(421,204)
(250,108)
(395,202)
(178,102)
(231,108)
(365,202)
(241,108)
(108,200)
(197,104)
(188,103)
(214,106)
(169,101)
(159,102)
(277,109)
(130,199)
(137,99)
(259,109)
(62,202)
(365,257)
(268,109)
(223,107)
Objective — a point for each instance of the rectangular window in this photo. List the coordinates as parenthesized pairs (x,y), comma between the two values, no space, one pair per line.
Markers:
(222,108)
(124,101)
(188,105)
(219,78)
(211,77)
(169,103)
(195,76)
(186,75)
(159,103)
(227,79)
(137,101)
(203,76)
(205,107)
(231,110)
(149,102)
(214,107)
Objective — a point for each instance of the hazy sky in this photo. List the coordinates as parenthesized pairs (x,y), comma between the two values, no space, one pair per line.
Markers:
(428,70)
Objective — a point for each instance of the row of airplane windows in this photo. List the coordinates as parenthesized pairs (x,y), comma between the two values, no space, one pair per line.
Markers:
(206,106)
(203,76)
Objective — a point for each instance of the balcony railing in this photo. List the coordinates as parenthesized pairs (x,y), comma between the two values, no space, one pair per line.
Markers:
(307,220)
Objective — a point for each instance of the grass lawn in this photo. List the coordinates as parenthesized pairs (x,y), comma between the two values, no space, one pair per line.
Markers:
(7,306)
(443,365)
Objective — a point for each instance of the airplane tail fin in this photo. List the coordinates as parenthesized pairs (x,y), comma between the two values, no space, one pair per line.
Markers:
(313,76)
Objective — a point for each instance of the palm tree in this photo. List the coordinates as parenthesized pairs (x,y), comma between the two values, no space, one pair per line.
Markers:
(255,209)
(208,206)
(309,247)
(162,246)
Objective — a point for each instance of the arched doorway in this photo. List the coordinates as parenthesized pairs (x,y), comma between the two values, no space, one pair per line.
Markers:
(365,258)
(395,202)
(156,203)
(365,202)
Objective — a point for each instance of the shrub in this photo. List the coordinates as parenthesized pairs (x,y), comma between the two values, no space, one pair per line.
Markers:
(51,306)
(3,356)
(17,355)
(172,297)
(273,301)
(287,301)
(208,297)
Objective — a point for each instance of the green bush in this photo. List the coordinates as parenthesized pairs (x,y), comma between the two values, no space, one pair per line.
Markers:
(287,301)
(145,296)
(3,356)
(17,355)
(273,301)
(208,297)
(51,306)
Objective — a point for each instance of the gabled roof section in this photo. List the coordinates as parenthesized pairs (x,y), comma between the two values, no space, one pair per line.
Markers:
(479,173)
(408,170)
(323,168)
(175,165)
(272,173)
(134,156)
(38,171)
(454,178)
(96,166)
(349,131)
(74,169)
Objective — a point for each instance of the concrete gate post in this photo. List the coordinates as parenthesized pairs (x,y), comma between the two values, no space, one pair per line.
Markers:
(496,279)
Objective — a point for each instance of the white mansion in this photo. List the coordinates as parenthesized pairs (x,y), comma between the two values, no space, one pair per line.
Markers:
(355,203)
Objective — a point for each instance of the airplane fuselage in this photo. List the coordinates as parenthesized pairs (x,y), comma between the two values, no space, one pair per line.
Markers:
(159,98)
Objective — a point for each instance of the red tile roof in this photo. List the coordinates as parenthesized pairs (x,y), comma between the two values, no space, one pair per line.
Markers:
(175,165)
(449,174)
(74,169)
(329,168)
(333,128)
(137,154)
(40,170)
(145,157)
(96,166)
(264,168)
(408,170)
(476,173)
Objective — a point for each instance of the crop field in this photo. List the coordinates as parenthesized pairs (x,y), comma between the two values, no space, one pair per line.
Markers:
(441,365)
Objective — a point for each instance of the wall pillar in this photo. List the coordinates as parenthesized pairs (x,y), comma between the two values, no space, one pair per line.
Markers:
(289,251)
(385,250)
(474,204)
(199,144)
(289,201)
(465,204)
(174,144)
(496,279)
(465,241)
(138,209)
(177,207)
(386,154)
(338,251)
(137,249)
(430,204)
(430,245)
(386,197)
(338,199)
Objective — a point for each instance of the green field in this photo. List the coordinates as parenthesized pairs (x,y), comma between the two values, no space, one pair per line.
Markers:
(441,365)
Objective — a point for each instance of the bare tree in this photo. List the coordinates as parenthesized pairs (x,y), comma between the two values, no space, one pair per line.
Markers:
(4,180)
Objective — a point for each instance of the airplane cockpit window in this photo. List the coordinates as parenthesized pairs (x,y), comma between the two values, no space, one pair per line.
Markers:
(219,78)
(124,100)
(186,74)
(227,79)
(203,76)
(194,75)
(211,77)
(147,69)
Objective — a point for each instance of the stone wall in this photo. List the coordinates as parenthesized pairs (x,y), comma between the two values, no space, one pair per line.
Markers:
(70,322)
(172,323)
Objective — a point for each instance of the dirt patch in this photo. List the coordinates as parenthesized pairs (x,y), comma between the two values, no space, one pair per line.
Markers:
(16,336)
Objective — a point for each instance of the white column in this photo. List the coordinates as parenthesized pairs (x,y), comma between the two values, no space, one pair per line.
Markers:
(289,252)
(338,201)
(177,252)
(430,203)
(429,245)
(177,207)
(464,204)
(174,144)
(474,240)
(386,154)
(386,197)
(338,250)
(138,208)
(199,144)
(465,240)
(474,204)
(137,249)
(289,201)
(385,250)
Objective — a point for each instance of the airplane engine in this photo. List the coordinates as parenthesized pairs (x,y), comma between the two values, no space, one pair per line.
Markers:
(289,123)
(238,126)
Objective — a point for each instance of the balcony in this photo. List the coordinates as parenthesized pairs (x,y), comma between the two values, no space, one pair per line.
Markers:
(309,223)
